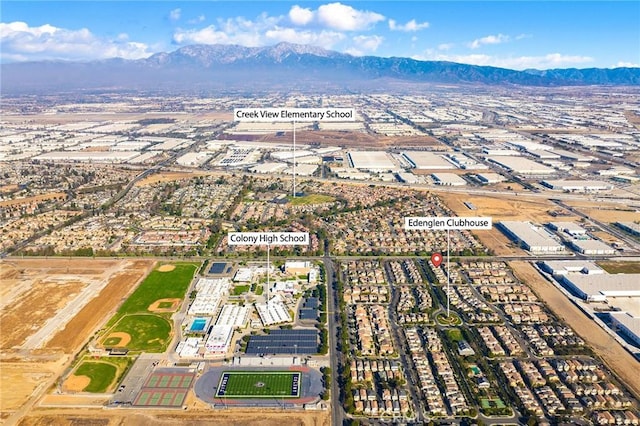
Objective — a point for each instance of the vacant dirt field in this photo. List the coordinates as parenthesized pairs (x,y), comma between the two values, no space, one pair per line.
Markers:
(5,189)
(31,373)
(96,311)
(35,306)
(34,199)
(9,277)
(501,207)
(605,212)
(188,418)
(506,207)
(21,379)
(614,355)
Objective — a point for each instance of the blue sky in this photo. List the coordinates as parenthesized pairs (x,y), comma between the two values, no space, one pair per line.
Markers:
(516,35)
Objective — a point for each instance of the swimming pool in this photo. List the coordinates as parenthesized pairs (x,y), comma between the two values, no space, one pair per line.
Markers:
(198,324)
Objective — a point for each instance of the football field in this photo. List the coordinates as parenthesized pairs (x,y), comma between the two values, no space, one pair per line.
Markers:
(256,384)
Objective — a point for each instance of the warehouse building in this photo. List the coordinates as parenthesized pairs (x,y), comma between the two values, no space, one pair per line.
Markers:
(630,227)
(490,177)
(596,288)
(371,160)
(448,179)
(522,166)
(577,185)
(532,238)
(591,247)
(570,228)
(425,160)
(627,324)
(565,267)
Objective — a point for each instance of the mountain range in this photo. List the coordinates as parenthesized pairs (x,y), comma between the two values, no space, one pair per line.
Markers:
(285,65)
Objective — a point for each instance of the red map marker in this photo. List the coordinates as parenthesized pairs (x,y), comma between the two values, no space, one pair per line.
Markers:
(436,259)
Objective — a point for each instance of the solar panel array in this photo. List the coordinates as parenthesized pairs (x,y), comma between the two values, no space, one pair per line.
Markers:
(301,342)
(217,268)
(308,314)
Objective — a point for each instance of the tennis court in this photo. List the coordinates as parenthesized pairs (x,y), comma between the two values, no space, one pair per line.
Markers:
(165,388)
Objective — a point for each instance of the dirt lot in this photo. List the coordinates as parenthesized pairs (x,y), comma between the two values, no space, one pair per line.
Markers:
(506,207)
(41,302)
(97,310)
(614,355)
(34,199)
(188,418)
(605,212)
(25,378)
(41,287)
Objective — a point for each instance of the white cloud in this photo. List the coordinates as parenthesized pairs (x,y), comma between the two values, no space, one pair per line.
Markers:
(345,18)
(324,39)
(551,60)
(199,19)
(174,15)
(623,64)
(368,43)
(236,30)
(490,39)
(300,15)
(445,46)
(410,26)
(20,42)
(207,35)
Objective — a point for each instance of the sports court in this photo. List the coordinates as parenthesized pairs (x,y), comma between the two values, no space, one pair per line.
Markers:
(252,384)
(165,388)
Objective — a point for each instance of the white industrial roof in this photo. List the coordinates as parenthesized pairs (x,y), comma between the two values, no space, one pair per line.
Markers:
(532,235)
(522,165)
(607,284)
(371,160)
(427,160)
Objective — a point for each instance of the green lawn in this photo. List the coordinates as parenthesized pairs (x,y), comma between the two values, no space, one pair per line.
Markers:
(455,334)
(453,319)
(240,289)
(149,333)
(249,384)
(159,285)
(620,267)
(101,374)
(310,199)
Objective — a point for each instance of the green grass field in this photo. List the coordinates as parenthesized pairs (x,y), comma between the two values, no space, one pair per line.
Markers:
(310,199)
(149,333)
(240,289)
(101,374)
(250,384)
(159,285)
